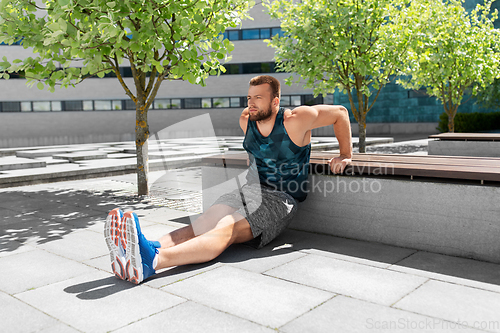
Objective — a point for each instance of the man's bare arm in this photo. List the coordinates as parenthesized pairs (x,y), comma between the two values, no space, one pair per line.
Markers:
(327,115)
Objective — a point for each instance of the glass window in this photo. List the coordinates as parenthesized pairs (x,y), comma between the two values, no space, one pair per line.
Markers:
(252,68)
(116,105)
(74,105)
(233,69)
(206,103)
(221,102)
(102,105)
(129,104)
(277,31)
(11,106)
(250,34)
(26,106)
(265,33)
(56,106)
(328,99)
(41,106)
(175,103)
(265,67)
(161,104)
(192,103)
(295,100)
(285,100)
(233,34)
(86,106)
(235,102)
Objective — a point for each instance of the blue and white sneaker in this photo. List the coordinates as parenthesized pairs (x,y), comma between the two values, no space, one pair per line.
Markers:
(114,240)
(140,252)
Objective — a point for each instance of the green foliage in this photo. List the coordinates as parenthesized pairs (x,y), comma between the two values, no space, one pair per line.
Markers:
(455,51)
(351,45)
(179,39)
(471,122)
(488,97)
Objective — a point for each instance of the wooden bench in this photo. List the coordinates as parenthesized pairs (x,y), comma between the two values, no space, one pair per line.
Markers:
(440,204)
(465,144)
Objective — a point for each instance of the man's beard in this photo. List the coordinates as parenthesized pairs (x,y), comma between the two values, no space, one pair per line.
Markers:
(261,114)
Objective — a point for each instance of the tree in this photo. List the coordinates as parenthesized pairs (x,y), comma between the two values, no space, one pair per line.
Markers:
(352,45)
(162,40)
(488,96)
(456,52)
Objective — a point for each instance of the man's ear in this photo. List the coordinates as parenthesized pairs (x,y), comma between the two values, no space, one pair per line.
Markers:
(276,101)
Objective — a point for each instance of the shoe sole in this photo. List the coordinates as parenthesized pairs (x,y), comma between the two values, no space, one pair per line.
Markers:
(133,257)
(112,234)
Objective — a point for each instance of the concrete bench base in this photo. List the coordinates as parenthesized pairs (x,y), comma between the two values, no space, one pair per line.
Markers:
(453,219)
(464,148)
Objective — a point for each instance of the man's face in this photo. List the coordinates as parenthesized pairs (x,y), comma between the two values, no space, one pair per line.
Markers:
(260,102)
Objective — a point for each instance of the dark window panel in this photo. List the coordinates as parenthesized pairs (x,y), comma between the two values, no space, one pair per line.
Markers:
(250,34)
(72,105)
(11,106)
(192,103)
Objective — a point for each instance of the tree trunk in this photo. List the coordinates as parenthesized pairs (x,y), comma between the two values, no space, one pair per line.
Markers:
(451,123)
(141,145)
(362,135)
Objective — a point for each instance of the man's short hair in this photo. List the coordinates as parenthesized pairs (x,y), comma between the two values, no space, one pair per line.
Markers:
(273,82)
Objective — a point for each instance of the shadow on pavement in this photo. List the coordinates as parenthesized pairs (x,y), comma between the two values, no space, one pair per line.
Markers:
(42,216)
(99,288)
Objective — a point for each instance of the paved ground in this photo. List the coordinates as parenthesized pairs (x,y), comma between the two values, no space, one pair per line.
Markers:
(56,274)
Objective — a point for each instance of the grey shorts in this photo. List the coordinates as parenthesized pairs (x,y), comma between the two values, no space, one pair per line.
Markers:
(268,211)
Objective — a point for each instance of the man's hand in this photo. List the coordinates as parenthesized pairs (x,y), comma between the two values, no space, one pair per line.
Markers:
(338,164)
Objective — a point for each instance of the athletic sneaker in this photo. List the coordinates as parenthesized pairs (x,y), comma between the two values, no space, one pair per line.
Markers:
(113,236)
(140,252)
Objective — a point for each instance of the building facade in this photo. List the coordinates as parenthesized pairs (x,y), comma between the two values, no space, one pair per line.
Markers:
(98,110)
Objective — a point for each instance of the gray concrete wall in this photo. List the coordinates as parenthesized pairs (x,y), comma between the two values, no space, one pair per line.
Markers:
(453,219)
(464,148)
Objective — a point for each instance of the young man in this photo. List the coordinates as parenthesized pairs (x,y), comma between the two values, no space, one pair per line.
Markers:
(278,142)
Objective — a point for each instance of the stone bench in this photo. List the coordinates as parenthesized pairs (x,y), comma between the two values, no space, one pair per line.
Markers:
(439,204)
(465,144)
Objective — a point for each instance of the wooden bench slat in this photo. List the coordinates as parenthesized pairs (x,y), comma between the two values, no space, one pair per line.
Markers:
(395,165)
(415,159)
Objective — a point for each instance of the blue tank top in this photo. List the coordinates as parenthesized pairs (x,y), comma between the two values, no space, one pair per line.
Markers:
(280,163)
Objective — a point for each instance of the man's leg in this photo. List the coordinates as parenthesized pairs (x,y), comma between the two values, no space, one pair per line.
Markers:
(229,230)
(204,223)
(144,257)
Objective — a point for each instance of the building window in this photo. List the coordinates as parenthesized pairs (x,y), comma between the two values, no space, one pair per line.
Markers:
(26,107)
(206,103)
(130,105)
(250,34)
(328,99)
(56,106)
(160,104)
(11,106)
(116,105)
(87,106)
(192,103)
(222,102)
(74,105)
(235,102)
(295,100)
(175,103)
(41,106)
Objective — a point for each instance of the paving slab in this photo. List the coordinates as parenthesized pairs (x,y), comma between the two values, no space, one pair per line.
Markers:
(466,306)
(261,299)
(345,314)
(81,156)
(194,318)
(15,163)
(342,277)
(36,268)
(98,302)
(16,316)
(44,152)
(367,253)
(473,273)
